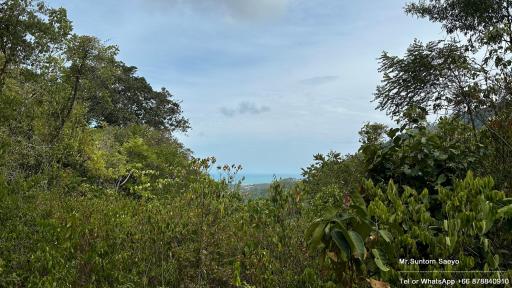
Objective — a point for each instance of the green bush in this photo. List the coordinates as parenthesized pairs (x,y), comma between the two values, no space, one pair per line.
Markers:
(472,228)
(424,156)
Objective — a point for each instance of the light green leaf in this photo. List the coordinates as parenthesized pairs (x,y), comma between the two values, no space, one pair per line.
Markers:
(386,235)
(505,212)
(379,261)
(318,233)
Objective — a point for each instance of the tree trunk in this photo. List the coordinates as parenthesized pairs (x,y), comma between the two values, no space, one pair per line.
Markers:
(72,99)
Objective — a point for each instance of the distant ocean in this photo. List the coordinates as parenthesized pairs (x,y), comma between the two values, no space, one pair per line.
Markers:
(260,178)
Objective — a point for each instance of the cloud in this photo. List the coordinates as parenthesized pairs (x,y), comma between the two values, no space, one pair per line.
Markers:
(236,9)
(320,80)
(244,108)
(228,112)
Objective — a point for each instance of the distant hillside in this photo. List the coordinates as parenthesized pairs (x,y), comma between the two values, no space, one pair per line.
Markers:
(253,191)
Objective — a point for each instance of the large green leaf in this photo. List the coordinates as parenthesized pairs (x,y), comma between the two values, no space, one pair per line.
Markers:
(363,228)
(312,227)
(340,241)
(379,261)
(315,233)
(356,243)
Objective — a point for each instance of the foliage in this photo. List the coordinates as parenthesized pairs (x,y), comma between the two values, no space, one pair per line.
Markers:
(31,32)
(205,236)
(136,161)
(127,98)
(399,226)
(466,75)
(372,133)
(472,213)
(484,23)
(495,138)
(331,176)
(96,191)
(340,240)
(432,76)
(423,156)
(52,239)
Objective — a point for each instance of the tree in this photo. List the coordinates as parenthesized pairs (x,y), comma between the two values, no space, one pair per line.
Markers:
(29,32)
(55,85)
(484,23)
(437,76)
(372,133)
(85,56)
(130,99)
(466,74)
(112,91)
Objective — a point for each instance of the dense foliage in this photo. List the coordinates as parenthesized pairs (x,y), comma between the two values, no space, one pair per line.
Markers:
(424,156)
(95,190)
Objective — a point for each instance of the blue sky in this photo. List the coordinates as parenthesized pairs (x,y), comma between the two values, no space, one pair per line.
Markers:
(265,83)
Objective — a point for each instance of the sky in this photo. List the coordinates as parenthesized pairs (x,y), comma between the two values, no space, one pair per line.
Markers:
(265,83)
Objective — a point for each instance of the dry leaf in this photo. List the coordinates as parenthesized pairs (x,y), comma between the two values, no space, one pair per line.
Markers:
(378,284)
(333,256)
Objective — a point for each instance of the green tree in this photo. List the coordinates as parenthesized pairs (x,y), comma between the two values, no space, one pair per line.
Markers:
(127,98)
(29,32)
(467,75)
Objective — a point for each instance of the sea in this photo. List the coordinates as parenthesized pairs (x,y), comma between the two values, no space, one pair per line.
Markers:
(260,178)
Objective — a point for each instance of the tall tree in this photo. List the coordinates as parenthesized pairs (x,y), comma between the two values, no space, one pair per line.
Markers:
(85,56)
(127,98)
(467,73)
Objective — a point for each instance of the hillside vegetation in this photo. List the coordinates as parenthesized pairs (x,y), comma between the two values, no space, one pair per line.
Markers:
(95,190)
(254,191)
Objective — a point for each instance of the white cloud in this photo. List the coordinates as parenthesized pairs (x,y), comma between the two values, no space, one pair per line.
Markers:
(314,81)
(244,108)
(234,9)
